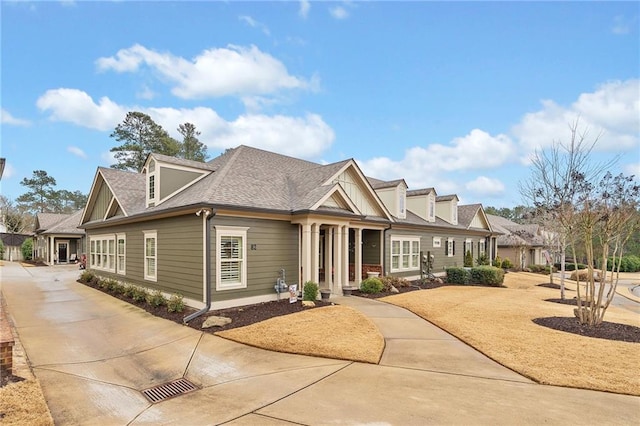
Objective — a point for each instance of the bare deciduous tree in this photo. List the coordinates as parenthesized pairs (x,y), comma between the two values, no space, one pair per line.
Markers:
(582,203)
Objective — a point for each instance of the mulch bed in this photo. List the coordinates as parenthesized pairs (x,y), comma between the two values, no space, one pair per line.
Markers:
(605,330)
(240,316)
(247,315)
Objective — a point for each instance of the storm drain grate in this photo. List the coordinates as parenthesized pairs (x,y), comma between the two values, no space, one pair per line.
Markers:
(169,390)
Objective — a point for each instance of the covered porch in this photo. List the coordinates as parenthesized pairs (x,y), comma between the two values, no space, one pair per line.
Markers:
(337,254)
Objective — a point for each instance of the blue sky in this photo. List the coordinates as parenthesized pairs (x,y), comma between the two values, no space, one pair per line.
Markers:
(450,95)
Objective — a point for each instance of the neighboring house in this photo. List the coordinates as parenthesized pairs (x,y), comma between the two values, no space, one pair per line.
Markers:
(58,239)
(249,218)
(524,245)
(13,245)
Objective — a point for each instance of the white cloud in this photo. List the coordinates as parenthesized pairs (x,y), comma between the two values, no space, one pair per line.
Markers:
(305,6)
(255,24)
(146,93)
(632,169)
(235,70)
(7,118)
(622,25)
(339,12)
(76,106)
(483,185)
(305,137)
(76,151)
(428,166)
(9,171)
(611,111)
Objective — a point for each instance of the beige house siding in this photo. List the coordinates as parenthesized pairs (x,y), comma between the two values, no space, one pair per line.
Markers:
(272,245)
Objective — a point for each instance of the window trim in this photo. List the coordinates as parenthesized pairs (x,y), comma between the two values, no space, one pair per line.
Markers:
(231,231)
(99,255)
(412,255)
(121,265)
(150,235)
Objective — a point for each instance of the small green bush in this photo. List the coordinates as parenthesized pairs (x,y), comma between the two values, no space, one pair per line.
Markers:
(129,290)
(541,269)
(95,281)
(388,281)
(139,294)
(110,285)
(175,303)
(310,291)
(628,263)
(468,259)
(570,266)
(483,259)
(506,263)
(497,262)
(458,275)
(371,285)
(487,275)
(156,298)
(1,250)
(27,249)
(86,276)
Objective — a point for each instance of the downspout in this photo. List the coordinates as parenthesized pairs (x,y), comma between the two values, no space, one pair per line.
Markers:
(209,214)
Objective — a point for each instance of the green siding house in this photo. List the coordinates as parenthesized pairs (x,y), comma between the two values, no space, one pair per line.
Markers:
(225,232)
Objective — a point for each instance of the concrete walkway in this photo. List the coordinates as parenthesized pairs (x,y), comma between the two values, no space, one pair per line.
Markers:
(94,354)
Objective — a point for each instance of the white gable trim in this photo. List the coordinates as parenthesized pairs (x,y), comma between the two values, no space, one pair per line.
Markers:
(92,196)
(365,184)
(337,190)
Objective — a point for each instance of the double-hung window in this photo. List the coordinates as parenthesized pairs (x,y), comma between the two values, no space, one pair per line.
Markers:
(121,247)
(151,255)
(102,252)
(231,259)
(405,253)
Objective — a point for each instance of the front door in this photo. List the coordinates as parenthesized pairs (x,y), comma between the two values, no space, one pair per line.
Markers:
(62,252)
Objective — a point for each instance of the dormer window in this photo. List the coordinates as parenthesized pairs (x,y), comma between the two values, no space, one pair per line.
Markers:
(151,184)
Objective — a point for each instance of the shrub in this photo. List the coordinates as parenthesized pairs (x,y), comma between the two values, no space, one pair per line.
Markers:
(27,249)
(569,266)
(129,290)
(371,285)
(497,262)
(94,281)
(175,303)
(310,291)
(542,269)
(110,284)
(629,263)
(1,250)
(468,259)
(487,275)
(483,259)
(139,294)
(391,281)
(86,276)
(458,275)
(506,263)
(156,298)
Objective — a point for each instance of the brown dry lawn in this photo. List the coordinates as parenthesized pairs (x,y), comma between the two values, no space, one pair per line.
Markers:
(338,332)
(22,403)
(498,322)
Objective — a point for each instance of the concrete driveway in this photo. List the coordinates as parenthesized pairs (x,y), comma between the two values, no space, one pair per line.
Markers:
(94,355)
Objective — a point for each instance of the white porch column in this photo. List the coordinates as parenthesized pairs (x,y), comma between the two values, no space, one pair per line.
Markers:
(315,252)
(306,254)
(328,258)
(339,264)
(381,245)
(52,251)
(358,257)
(345,255)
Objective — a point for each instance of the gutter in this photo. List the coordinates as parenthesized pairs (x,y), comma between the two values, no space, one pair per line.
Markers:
(209,214)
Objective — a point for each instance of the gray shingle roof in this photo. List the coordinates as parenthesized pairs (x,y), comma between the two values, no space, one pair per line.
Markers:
(60,223)
(128,187)
(423,191)
(515,234)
